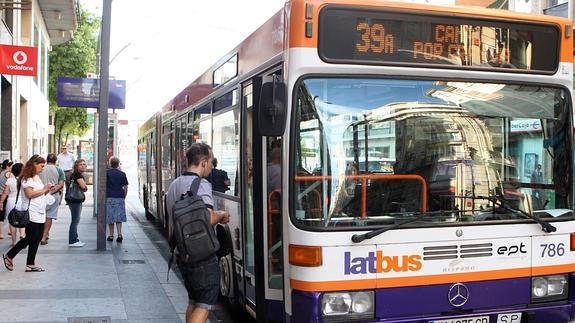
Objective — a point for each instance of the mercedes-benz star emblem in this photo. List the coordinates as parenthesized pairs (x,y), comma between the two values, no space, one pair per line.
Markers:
(458,295)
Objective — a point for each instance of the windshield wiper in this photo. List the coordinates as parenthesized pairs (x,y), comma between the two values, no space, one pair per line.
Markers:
(502,202)
(368,235)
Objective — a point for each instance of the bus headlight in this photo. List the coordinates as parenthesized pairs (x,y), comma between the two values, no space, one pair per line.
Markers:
(347,305)
(549,288)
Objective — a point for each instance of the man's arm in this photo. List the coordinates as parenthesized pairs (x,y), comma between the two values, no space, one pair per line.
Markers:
(205,192)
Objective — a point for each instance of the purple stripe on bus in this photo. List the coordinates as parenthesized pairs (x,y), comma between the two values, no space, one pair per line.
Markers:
(275,311)
(305,307)
(426,300)
(572,287)
(546,314)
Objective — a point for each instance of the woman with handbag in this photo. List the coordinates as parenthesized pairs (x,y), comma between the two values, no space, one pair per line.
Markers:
(8,198)
(75,197)
(32,192)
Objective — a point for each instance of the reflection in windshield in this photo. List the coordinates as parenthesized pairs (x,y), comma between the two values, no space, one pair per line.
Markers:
(371,151)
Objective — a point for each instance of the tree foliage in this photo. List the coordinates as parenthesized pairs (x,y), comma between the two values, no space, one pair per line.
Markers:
(73,59)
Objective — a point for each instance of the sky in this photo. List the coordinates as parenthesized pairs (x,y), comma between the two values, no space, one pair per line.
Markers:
(159,47)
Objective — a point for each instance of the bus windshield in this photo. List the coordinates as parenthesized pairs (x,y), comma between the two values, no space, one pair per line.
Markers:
(372,152)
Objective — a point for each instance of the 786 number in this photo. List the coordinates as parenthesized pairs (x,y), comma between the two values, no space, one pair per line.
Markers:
(552,250)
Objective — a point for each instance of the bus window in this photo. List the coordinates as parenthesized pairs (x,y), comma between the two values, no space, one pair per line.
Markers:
(443,146)
(203,131)
(226,148)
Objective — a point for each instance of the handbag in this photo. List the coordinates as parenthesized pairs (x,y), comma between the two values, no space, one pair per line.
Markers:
(19,218)
(74,194)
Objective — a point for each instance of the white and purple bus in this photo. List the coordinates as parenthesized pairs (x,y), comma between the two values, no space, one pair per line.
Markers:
(388,162)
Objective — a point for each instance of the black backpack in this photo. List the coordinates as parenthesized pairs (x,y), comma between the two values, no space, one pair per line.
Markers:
(193,234)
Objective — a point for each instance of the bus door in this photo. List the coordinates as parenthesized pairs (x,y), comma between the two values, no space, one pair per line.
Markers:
(167,173)
(152,175)
(181,144)
(263,270)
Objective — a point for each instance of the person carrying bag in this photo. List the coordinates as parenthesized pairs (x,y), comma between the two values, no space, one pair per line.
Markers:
(74,194)
(19,218)
(34,193)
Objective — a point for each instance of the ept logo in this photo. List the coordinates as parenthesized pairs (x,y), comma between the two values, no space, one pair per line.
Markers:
(376,262)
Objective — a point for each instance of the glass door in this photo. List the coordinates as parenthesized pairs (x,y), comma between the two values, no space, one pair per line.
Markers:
(262,227)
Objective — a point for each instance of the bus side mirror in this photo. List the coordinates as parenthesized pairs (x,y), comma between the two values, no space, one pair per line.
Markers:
(272,109)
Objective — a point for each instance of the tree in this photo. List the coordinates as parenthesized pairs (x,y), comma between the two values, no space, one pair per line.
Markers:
(73,59)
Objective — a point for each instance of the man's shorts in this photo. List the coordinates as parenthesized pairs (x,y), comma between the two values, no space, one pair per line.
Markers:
(52,209)
(202,282)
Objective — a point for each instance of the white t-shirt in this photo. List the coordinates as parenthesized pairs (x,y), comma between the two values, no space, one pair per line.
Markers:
(12,184)
(37,208)
(66,161)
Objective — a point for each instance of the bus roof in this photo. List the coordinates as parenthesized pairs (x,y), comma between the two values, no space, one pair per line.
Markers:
(267,41)
(261,46)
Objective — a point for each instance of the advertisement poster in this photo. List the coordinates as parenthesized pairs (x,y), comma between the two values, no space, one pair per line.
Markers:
(87,153)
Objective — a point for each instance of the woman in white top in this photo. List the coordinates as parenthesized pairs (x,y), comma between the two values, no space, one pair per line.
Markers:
(9,196)
(32,192)
(4,175)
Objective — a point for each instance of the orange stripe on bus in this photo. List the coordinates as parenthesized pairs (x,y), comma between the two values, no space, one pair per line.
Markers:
(297,23)
(550,270)
(428,279)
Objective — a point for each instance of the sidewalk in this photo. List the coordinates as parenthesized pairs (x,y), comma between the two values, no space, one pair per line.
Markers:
(126,283)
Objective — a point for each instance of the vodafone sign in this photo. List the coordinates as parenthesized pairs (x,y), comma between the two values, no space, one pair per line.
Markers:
(18,60)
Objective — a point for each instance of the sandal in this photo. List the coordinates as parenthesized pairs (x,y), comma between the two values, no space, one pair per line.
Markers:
(119,239)
(34,269)
(110,238)
(8,263)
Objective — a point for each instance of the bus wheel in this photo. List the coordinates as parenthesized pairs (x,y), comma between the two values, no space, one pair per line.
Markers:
(226,277)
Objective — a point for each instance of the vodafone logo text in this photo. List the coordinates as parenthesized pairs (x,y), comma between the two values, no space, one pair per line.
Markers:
(377,262)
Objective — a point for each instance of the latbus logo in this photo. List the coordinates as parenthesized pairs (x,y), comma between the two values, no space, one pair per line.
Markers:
(376,262)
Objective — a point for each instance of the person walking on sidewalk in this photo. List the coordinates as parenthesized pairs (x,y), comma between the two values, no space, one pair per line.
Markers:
(66,163)
(4,175)
(33,193)
(201,280)
(52,175)
(76,207)
(8,199)
(116,192)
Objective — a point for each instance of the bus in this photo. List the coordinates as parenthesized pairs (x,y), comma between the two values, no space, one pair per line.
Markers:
(388,162)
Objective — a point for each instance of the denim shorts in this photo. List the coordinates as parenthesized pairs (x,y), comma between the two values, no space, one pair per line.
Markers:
(202,282)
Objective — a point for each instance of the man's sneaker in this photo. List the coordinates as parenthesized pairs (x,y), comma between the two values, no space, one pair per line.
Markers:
(78,244)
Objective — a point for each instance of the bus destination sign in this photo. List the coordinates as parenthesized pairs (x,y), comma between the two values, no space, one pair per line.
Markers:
(380,37)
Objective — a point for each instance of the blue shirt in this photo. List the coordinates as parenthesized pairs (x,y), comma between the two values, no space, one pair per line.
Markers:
(116,181)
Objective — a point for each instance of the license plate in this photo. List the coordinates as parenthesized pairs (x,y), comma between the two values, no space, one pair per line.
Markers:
(509,318)
(475,319)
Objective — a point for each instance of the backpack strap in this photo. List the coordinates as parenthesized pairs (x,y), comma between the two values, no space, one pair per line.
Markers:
(171,261)
(195,186)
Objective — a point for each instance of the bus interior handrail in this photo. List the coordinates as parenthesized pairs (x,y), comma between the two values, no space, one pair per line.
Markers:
(365,177)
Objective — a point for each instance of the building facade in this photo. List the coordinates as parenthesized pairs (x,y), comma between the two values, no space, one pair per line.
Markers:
(24,103)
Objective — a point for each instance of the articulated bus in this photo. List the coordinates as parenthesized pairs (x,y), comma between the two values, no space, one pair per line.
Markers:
(388,161)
